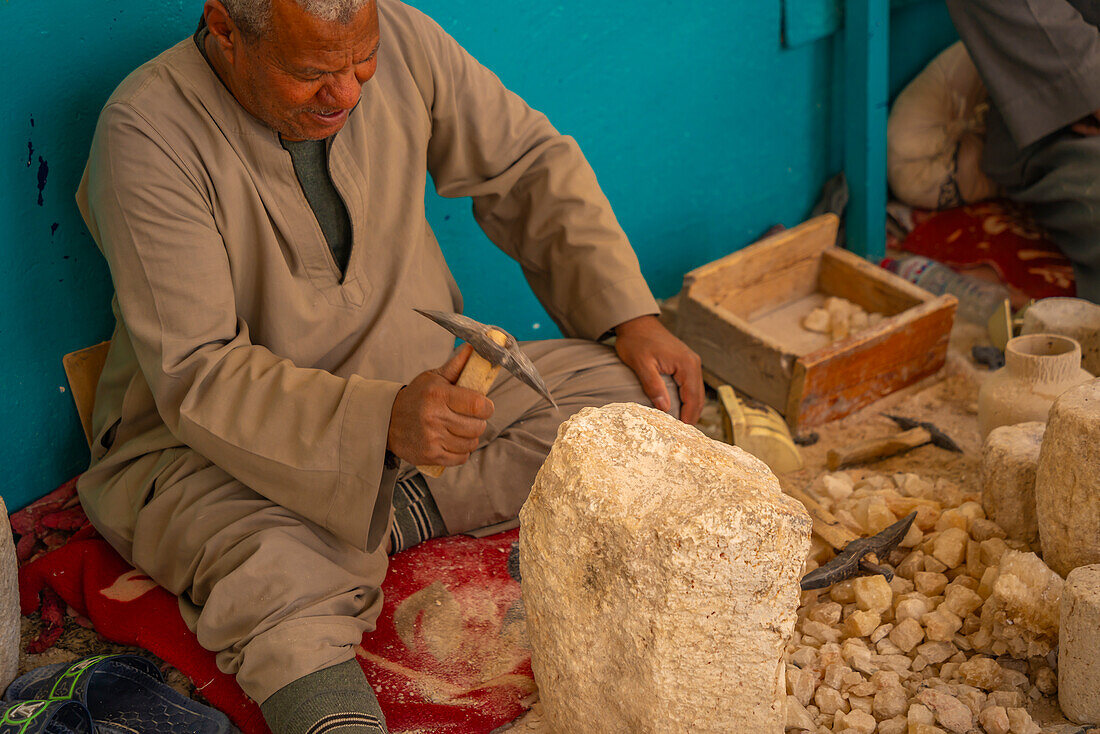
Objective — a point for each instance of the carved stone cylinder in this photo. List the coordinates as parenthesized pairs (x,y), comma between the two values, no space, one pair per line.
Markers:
(1038,368)
(1010,457)
(1073,317)
(1067,482)
(660,578)
(1079,646)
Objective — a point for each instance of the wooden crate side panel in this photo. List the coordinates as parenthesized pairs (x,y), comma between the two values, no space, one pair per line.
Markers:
(843,378)
(774,271)
(730,351)
(849,276)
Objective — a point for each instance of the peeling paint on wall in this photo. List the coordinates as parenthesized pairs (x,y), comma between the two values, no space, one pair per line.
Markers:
(43,171)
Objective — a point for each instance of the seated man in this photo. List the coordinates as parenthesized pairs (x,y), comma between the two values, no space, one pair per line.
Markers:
(261,207)
(1040,60)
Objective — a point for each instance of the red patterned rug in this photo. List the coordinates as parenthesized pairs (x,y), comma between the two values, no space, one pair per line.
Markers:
(449,655)
(997,234)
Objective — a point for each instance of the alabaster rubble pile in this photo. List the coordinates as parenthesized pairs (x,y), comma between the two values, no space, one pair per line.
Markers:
(840,318)
(674,583)
(960,641)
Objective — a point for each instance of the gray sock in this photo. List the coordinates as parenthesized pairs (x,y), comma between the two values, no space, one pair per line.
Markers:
(335,700)
(416,517)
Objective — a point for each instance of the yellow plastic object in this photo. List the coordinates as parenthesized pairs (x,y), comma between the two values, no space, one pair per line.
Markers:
(1000,325)
(760,430)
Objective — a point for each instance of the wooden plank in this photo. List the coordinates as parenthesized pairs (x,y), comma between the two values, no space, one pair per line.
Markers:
(838,380)
(849,276)
(734,354)
(766,274)
(866,44)
(83,368)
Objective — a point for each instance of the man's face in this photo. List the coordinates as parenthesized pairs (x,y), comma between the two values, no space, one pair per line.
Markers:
(303,76)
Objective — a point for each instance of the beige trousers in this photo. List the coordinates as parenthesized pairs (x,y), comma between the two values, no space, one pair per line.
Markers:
(277,597)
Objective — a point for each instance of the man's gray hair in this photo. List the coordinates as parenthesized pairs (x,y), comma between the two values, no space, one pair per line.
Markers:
(254,16)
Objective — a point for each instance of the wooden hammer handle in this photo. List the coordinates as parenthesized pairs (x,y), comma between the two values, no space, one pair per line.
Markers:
(878,448)
(478,375)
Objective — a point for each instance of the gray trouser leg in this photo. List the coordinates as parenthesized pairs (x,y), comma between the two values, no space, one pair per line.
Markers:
(1061,183)
(492,486)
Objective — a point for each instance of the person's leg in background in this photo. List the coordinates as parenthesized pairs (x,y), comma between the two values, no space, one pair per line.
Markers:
(1060,181)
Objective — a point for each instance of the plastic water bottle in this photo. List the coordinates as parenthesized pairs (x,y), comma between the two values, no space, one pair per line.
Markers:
(978,299)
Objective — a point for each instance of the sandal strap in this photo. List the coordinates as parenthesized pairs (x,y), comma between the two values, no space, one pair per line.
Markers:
(31,717)
(73,682)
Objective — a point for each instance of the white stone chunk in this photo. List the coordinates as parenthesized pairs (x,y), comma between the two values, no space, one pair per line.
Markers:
(1067,483)
(1021,722)
(1023,608)
(817,320)
(1010,457)
(660,578)
(994,720)
(797,717)
(1079,646)
(951,713)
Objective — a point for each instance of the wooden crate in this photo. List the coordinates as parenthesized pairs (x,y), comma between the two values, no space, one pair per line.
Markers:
(743,315)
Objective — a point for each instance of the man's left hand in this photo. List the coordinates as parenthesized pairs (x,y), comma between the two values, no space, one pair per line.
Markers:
(647,347)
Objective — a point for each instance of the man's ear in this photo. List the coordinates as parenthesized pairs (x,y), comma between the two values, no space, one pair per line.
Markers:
(222,29)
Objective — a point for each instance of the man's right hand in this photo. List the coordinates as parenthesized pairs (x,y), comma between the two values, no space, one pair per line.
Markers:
(433,422)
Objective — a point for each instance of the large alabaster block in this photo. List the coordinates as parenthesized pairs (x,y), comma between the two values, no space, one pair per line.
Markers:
(660,578)
(1009,459)
(1079,646)
(1067,482)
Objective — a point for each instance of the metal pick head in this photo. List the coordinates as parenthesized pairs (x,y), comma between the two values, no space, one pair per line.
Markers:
(939,438)
(850,561)
(508,356)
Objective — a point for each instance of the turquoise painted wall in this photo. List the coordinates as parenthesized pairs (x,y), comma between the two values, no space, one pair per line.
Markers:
(703,129)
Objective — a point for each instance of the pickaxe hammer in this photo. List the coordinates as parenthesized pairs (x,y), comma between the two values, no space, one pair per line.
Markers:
(493,348)
(856,554)
(916,433)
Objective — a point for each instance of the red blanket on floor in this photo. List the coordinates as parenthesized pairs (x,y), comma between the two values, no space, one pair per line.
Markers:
(997,234)
(449,654)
